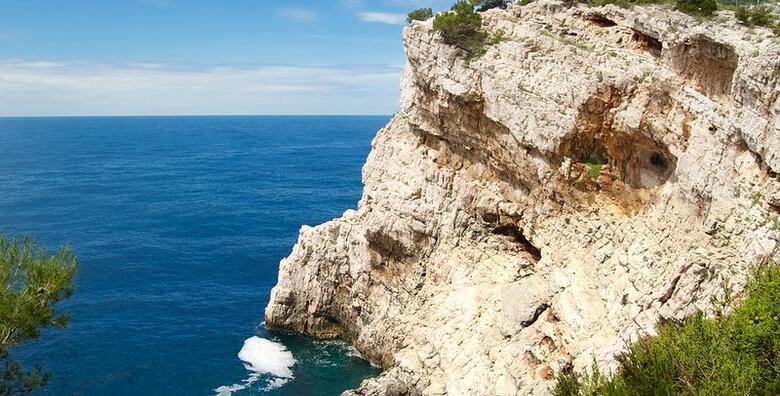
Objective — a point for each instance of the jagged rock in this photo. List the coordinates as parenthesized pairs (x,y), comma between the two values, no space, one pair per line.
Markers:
(483,259)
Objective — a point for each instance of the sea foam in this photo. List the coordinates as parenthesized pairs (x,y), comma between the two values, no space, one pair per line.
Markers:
(262,357)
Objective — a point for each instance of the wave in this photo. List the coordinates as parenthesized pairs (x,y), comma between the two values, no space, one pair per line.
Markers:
(262,357)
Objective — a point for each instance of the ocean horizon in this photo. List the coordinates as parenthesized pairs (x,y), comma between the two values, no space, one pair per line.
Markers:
(179,223)
(192,116)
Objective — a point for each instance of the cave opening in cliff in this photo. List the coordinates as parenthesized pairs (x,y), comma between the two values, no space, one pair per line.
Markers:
(600,20)
(514,232)
(658,161)
(707,64)
(647,43)
(635,157)
(386,246)
(640,160)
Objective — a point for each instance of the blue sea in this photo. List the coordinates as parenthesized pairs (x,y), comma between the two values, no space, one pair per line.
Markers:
(179,224)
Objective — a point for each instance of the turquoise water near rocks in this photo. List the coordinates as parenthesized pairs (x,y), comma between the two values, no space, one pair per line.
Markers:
(179,224)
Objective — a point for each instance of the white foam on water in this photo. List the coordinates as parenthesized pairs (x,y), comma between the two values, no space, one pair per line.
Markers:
(262,357)
(275,383)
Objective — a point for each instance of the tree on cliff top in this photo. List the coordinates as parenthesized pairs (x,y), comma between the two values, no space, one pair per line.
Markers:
(420,14)
(462,28)
(31,282)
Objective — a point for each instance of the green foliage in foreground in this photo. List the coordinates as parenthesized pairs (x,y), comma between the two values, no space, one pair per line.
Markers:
(420,14)
(736,354)
(462,28)
(31,282)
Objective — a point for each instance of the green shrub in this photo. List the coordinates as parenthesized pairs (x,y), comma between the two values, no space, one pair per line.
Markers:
(594,169)
(624,3)
(761,16)
(754,16)
(497,37)
(743,15)
(462,28)
(484,5)
(738,354)
(420,14)
(699,8)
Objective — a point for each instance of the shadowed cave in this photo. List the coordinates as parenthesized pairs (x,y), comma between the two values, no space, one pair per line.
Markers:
(637,157)
(707,64)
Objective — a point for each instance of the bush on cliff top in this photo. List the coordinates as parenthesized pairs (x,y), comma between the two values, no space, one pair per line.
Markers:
(462,28)
(700,8)
(737,354)
(623,3)
(420,14)
(484,5)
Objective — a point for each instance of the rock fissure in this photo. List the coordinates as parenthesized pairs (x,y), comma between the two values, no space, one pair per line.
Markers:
(537,313)
(513,231)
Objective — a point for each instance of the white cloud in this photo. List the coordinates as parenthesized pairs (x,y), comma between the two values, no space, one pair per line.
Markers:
(78,88)
(383,17)
(296,14)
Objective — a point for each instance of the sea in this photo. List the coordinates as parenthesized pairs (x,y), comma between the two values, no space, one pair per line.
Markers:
(179,224)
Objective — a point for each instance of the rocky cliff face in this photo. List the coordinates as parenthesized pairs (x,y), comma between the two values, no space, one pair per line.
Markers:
(489,251)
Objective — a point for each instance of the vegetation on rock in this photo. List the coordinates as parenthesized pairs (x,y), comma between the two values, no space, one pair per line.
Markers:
(497,37)
(462,28)
(484,5)
(420,14)
(735,354)
(594,169)
(31,282)
(754,16)
(623,3)
(700,8)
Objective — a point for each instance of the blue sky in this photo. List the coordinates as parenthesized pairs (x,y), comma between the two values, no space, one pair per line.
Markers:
(102,57)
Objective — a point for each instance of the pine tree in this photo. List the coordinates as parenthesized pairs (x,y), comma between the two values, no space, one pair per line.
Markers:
(31,282)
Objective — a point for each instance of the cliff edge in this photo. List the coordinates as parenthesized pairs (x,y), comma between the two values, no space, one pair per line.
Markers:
(596,172)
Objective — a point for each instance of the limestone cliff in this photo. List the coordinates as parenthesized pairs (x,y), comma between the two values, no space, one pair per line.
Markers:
(489,251)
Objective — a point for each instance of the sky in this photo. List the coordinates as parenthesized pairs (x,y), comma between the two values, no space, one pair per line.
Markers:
(201,57)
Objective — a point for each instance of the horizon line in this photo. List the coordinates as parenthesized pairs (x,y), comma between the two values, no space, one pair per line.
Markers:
(190,115)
